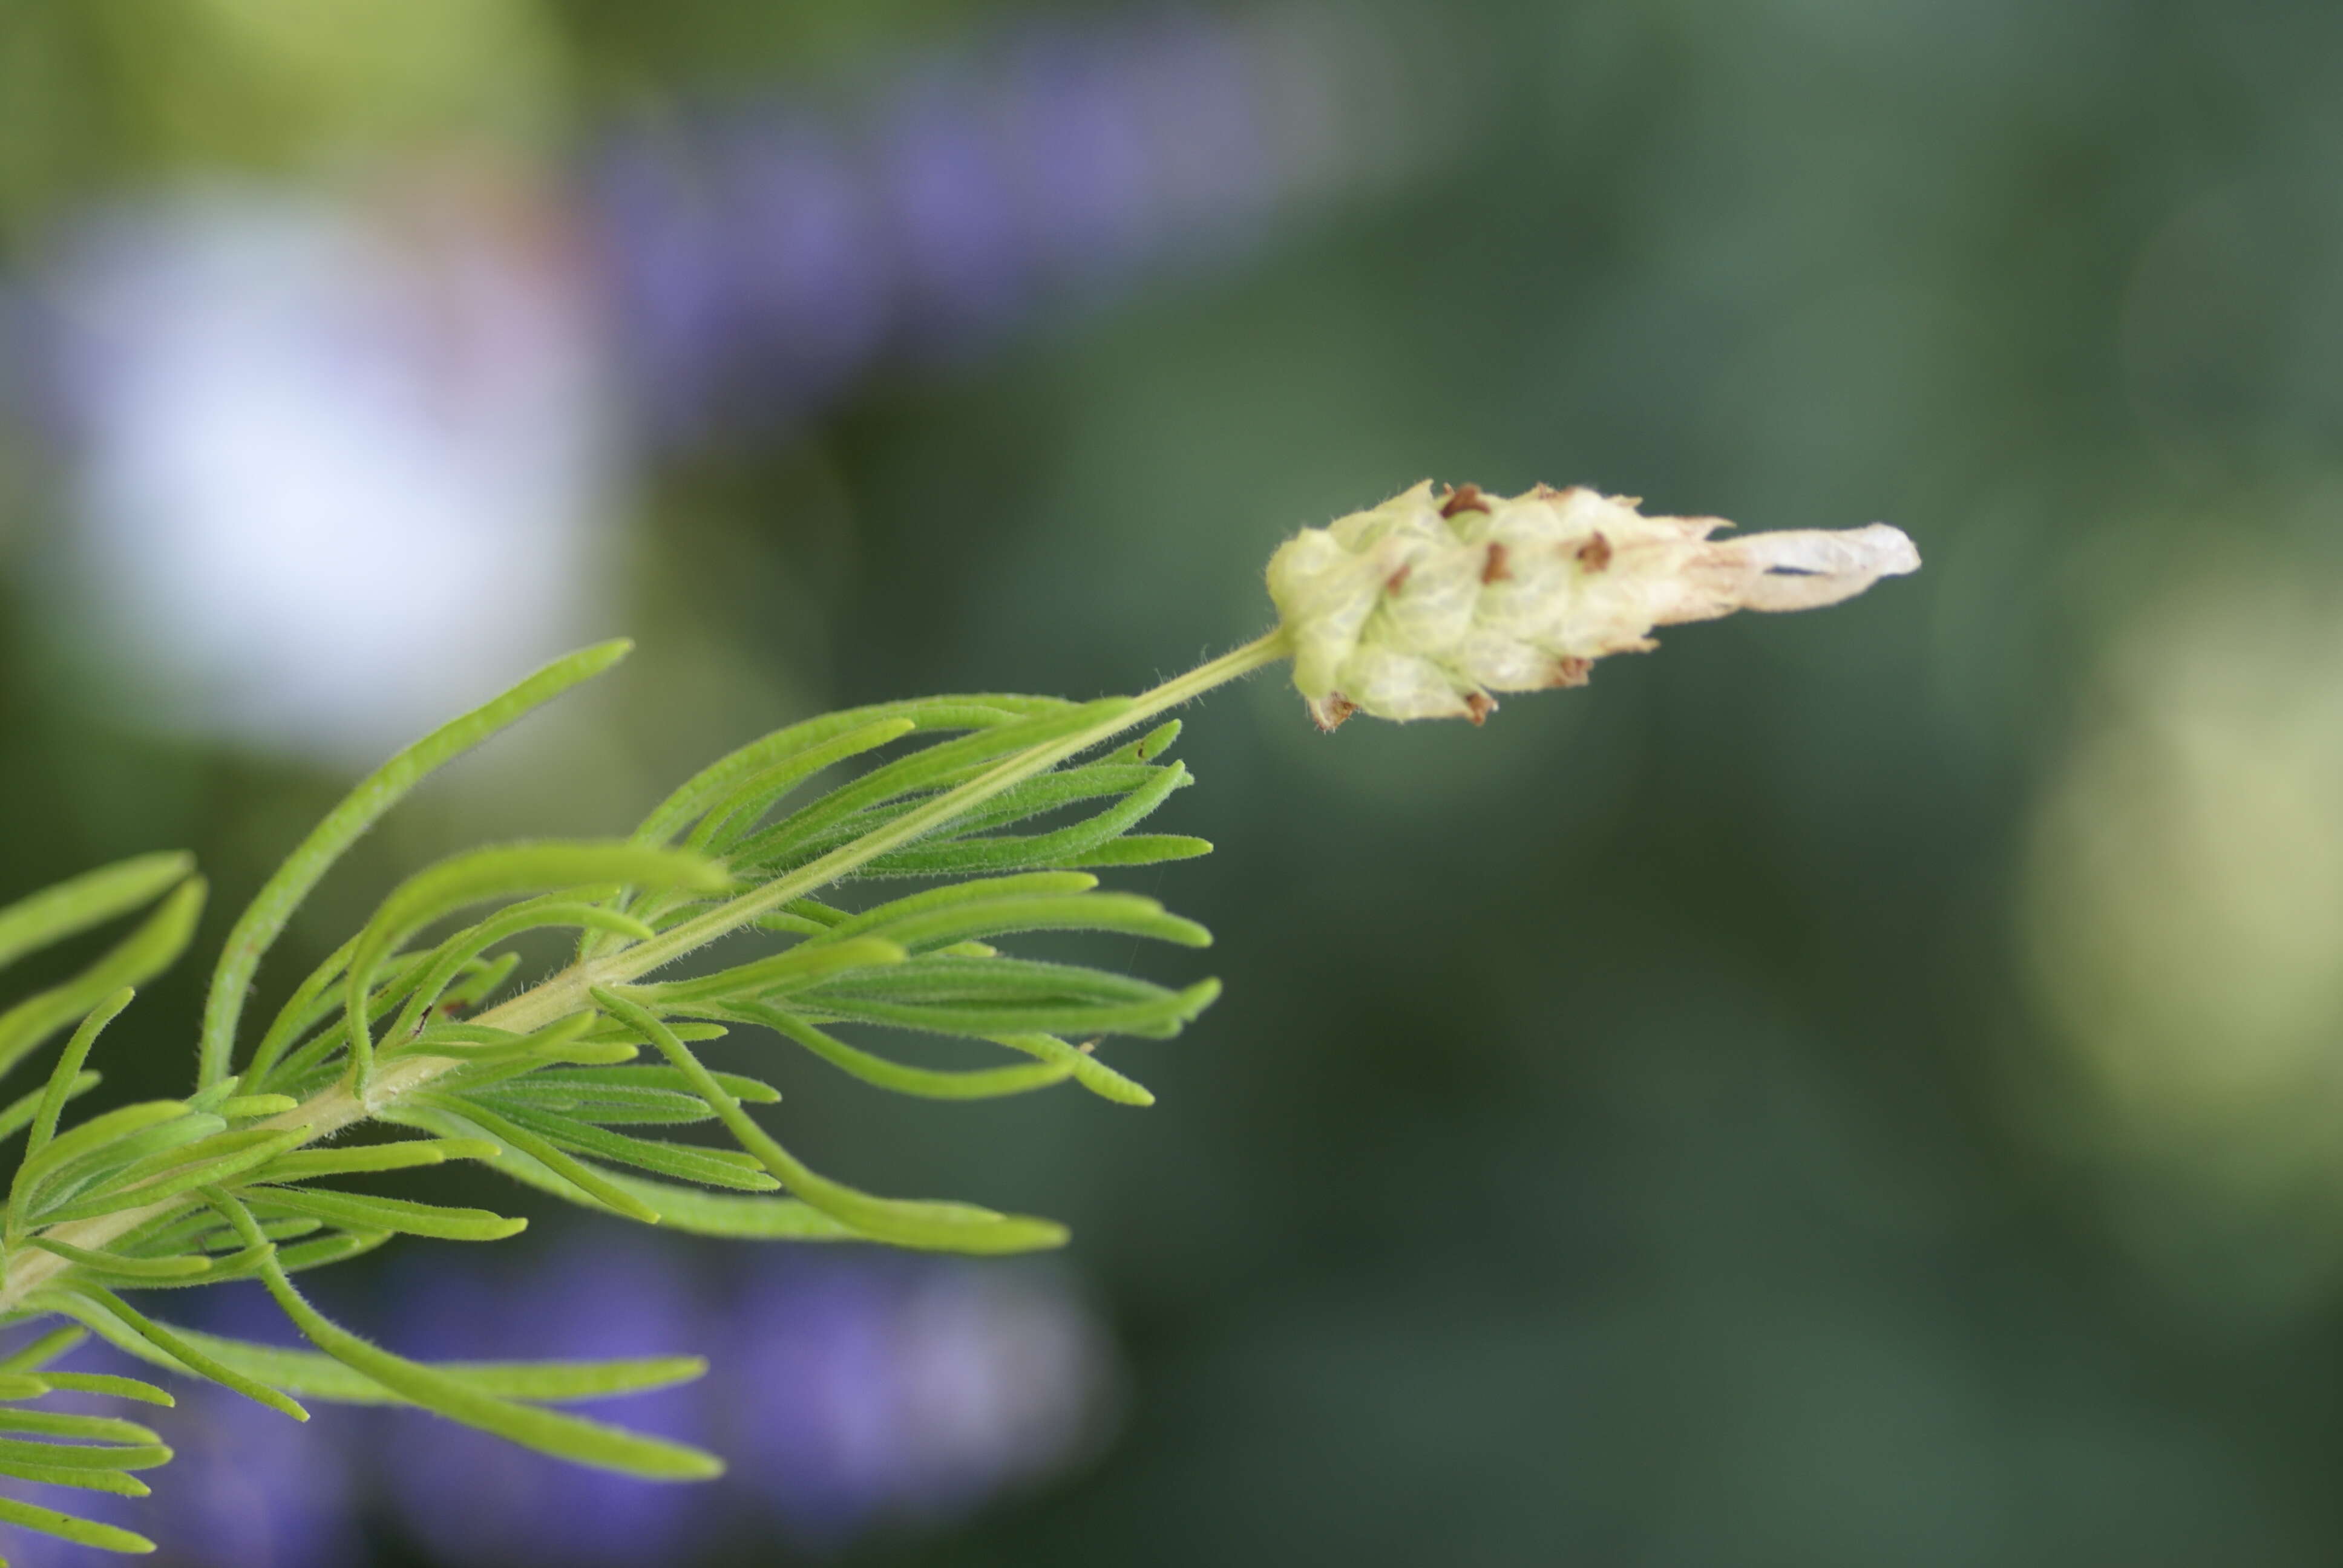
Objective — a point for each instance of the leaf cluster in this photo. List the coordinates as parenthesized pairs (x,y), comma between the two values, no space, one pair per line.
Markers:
(588,1084)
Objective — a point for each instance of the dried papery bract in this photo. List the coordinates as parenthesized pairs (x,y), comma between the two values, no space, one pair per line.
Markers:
(1425,606)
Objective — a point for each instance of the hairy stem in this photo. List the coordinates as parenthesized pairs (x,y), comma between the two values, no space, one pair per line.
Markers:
(332,1110)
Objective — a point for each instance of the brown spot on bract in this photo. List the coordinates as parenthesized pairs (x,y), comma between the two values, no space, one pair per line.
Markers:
(1478,706)
(1495,569)
(1571,672)
(1329,714)
(1594,554)
(1398,580)
(1462,498)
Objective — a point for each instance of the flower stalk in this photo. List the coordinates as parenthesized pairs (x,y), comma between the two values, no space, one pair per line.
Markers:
(1419,607)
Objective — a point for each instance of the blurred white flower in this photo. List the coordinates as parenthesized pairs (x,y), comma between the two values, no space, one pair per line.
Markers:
(336,466)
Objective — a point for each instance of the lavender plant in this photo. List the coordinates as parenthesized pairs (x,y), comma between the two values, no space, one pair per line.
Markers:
(1422,606)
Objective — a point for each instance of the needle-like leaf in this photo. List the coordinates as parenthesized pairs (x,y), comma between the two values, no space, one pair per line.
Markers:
(258,927)
(144,953)
(89,899)
(452,1395)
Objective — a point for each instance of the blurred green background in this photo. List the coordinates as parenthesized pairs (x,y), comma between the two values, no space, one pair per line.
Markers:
(1851,1089)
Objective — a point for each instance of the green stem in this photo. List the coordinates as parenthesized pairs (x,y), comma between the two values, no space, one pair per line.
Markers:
(331,1109)
(632,963)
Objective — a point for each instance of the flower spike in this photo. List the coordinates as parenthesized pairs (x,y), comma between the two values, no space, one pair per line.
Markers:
(1422,606)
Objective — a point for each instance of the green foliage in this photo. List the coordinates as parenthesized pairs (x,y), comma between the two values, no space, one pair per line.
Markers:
(421,1021)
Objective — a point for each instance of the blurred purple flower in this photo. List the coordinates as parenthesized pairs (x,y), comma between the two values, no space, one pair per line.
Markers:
(850,1388)
(247,1488)
(475,1499)
(814,306)
(758,260)
(869,1387)
(945,190)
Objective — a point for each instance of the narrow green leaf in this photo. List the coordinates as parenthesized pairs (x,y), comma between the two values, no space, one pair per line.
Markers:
(1140,849)
(529,1051)
(278,1062)
(108,1384)
(119,1323)
(533,914)
(73,1176)
(789,924)
(1089,1071)
(248,1107)
(560,1382)
(563,1436)
(707,1167)
(305,1009)
(1148,747)
(69,1527)
(751,1091)
(322,1254)
(480,980)
(609,1105)
(687,1209)
(930,767)
(510,869)
(989,996)
(89,899)
(1126,914)
(74,1456)
(212,1096)
(114,1480)
(1055,789)
(927,1083)
(116,1266)
(585,1178)
(219,1144)
(608,1031)
(86,1428)
(183,1179)
(1010,853)
(257,1366)
(21,1109)
(839,923)
(166,1235)
(803,965)
(562,1042)
(305,1164)
(954,1227)
(710,784)
(59,1087)
(257,928)
(224,1268)
(22,1385)
(144,953)
(88,1138)
(32,1357)
(362,1211)
(738,813)
(319,1376)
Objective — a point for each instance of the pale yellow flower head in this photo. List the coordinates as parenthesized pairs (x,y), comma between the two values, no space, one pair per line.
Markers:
(1421,607)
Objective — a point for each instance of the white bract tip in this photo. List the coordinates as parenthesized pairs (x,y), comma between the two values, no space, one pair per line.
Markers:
(1421,607)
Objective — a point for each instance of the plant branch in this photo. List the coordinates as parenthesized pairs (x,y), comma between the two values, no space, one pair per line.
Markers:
(332,1110)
